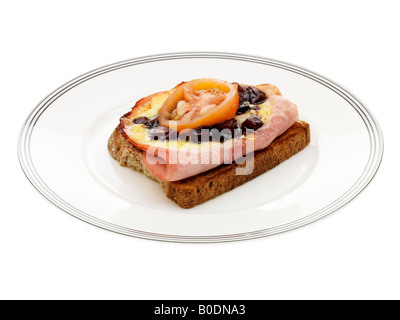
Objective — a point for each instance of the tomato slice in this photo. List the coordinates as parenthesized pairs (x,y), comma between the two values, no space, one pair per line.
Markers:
(201,102)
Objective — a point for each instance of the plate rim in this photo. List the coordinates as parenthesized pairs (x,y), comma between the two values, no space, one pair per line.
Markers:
(370,170)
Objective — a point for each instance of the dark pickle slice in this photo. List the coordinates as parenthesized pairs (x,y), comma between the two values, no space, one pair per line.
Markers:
(230,124)
(141,120)
(220,135)
(249,96)
(193,135)
(147,122)
(253,123)
(153,123)
(225,130)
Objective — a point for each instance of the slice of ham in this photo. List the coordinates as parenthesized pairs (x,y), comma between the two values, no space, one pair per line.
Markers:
(177,164)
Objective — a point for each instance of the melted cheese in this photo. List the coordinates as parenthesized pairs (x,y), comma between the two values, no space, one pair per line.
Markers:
(150,110)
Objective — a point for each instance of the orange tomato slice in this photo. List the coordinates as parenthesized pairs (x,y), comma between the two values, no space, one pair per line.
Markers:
(201,102)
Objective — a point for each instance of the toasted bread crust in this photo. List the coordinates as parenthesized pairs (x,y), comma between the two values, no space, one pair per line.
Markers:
(190,192)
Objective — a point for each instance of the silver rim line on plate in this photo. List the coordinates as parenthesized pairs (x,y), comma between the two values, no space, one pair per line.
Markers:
(372,166)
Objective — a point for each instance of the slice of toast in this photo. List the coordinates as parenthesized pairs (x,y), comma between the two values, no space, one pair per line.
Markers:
(190,192)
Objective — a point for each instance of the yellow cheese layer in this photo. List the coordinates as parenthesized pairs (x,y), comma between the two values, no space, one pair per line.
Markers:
(140,133)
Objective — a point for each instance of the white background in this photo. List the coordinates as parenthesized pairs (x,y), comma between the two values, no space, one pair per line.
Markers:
(47,254)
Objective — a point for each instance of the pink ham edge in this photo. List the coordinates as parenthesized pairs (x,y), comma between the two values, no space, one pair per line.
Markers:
(173,165)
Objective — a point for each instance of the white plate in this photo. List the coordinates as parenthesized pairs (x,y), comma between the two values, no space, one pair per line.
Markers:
(63,152)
